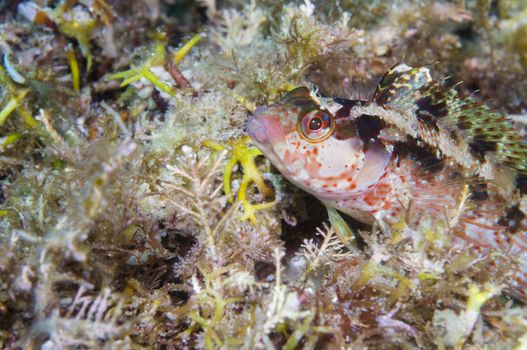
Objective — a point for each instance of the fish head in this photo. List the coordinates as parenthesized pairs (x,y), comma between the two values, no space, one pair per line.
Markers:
(315,149)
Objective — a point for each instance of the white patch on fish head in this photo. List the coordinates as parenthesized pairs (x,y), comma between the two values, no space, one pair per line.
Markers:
(332,168)
(326,169)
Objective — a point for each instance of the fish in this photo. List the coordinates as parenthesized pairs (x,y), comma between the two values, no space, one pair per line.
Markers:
(416,151)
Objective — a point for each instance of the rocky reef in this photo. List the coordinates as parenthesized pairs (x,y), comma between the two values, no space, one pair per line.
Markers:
(136,214)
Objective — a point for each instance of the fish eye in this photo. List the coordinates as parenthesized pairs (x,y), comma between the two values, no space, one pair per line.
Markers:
(315,123)
(316,126)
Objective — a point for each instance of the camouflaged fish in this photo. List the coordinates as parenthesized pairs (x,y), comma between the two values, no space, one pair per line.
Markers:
(416,151)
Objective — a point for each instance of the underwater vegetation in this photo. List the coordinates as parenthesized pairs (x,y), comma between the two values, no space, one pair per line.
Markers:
(135,212)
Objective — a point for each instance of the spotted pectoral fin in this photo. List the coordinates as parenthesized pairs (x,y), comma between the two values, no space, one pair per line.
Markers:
(489,132)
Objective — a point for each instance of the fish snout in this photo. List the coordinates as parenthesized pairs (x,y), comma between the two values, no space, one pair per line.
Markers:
(256,129)
(266,126)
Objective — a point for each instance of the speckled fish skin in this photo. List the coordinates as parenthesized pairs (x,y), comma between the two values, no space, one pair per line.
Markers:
(415,148)
(340,171)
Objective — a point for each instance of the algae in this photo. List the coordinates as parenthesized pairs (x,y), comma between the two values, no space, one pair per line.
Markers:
(121,229)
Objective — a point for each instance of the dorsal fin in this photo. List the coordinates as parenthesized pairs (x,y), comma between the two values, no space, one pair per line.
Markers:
(400,85)
(487,134)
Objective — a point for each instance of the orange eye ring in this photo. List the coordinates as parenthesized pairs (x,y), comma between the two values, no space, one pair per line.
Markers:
(316,126)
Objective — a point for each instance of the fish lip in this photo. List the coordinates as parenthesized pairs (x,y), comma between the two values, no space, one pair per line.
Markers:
(256,130)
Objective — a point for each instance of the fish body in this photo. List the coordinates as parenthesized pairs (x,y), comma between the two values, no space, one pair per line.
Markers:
(415,151)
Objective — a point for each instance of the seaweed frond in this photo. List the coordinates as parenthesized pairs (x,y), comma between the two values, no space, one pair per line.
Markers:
(75,71)
(136,73)
(121,228)
(185,49)
(157,60)
(455,329)
(197,182)
(244,154)
(73,20)
(86,322)
(331,249)
(13,103)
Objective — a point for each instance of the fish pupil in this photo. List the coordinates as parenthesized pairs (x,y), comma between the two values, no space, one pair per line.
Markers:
(315,123)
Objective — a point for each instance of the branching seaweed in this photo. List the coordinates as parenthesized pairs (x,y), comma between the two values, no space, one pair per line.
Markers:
(123,212)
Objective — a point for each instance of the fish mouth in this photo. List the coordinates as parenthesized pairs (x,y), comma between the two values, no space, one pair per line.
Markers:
(266,131)
(256,128)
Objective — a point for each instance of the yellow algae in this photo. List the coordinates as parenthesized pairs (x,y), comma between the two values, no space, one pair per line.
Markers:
(244,154)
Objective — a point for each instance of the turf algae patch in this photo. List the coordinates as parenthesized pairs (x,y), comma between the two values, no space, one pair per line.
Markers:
(115,227)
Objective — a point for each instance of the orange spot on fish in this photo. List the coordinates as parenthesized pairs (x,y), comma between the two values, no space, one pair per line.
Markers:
(370,199)
(290,157)
(351,186)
